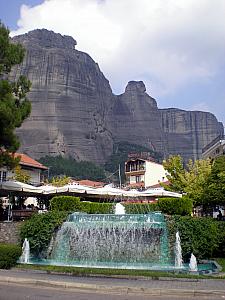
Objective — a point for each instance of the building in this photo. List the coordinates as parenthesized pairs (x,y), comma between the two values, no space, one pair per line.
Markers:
(143,173)
(215,148)
(32,167)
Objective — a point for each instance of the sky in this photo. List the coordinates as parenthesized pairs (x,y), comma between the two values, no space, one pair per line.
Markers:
(176,47)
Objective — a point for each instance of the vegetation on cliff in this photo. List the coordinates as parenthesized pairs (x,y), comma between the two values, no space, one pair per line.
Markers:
(14,105)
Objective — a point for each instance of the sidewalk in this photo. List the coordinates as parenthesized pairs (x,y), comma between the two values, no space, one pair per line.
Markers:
(163,286)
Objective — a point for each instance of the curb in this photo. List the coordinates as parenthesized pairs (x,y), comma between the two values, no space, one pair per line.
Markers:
(102,289)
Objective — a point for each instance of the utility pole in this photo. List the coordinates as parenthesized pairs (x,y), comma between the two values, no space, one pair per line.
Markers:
(120,177)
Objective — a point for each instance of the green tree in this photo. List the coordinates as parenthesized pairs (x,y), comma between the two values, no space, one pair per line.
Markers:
(60,181)
(21,175)
(70,167)
(14,105)
(214,192)
(174,166)
(191,179)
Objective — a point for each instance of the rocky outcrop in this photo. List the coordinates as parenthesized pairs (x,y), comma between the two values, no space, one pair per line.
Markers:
(75,113)
(187,132)
(70,97)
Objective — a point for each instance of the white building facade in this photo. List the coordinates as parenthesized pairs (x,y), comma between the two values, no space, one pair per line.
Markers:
(144,173)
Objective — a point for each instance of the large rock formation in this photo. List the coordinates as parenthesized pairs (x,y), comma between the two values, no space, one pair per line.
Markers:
(75,113)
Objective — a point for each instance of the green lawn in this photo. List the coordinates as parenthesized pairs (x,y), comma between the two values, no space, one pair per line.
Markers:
(109,272)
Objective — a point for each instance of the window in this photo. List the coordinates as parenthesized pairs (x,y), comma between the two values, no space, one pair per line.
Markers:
(3,176)
(138,179)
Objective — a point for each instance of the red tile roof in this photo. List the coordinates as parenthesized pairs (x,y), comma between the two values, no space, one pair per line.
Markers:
(91,183)
(25,160)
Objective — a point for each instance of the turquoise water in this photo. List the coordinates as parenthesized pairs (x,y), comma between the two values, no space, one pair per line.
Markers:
(128,241)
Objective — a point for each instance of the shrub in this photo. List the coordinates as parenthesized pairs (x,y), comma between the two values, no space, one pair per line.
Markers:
(176,206)
(9,254)
(171,206)
(141,208)
(65,203)
(71,204)
(39,230)
(200,236)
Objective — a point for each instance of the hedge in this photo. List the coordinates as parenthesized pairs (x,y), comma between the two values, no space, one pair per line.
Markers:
(176,206)
(65,203)
(171,206)
(72,204)
(9,255)
(204,237)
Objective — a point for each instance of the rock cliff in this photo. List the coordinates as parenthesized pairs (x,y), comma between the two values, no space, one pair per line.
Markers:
(75,113)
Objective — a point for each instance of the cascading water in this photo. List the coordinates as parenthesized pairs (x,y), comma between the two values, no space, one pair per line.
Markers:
(119,209)
(178,252)
(128,241)
(25,257)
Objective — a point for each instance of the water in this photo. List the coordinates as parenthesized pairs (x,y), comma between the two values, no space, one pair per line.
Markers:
(193,267)
(119,209)
(25,257)
(178,252)
(127,241)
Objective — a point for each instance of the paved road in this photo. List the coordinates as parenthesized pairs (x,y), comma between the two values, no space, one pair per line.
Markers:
(18,292)
(127,288)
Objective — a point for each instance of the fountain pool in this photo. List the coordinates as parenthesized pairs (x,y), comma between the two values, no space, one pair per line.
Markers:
(120,241)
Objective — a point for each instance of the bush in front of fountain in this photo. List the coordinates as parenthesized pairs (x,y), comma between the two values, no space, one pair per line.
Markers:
(204,237)
(9,255)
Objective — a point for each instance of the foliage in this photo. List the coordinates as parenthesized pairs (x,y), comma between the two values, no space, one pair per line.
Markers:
(140,208)
(60,181)
(70,167)
(120,155)
(190,179)
(170,206)
(39,230)
(200,236)
(214,192)
(21,175)
(176,206)
(77,271)
(9,254)
(71,204)
(174,166)
(14,105)
(65,203)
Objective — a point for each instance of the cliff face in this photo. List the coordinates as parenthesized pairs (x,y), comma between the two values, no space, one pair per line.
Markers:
(70,97)
(186,132)
(75,113)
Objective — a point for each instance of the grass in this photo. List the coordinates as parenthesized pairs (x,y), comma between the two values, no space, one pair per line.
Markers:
(75,271)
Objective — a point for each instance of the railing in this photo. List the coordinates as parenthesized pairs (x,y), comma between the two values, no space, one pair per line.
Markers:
(217,139)
(22,214)
(138,169)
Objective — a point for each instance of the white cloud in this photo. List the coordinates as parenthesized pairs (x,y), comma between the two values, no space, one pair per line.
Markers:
(168,44)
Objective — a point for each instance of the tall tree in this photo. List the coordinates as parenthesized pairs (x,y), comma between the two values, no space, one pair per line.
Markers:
(14,105)
(191,179)
(215,187)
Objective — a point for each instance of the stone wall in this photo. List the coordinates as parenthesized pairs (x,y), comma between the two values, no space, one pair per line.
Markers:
(9,232)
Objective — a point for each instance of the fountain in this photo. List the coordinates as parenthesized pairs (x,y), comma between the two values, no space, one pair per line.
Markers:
(25,257)
(119,209)
(193,267)
(178,252)
(115,241)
